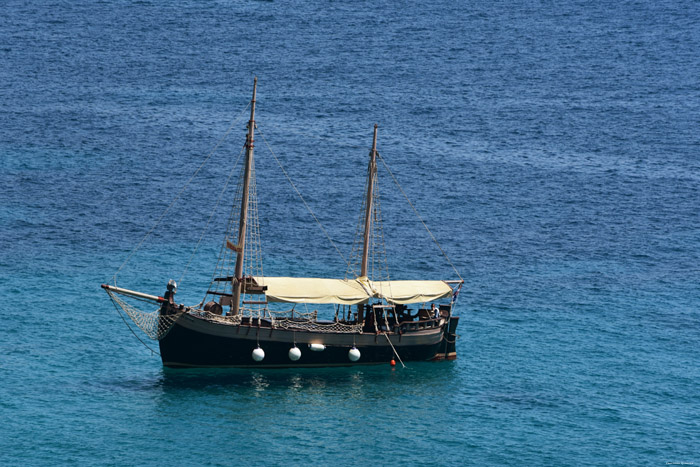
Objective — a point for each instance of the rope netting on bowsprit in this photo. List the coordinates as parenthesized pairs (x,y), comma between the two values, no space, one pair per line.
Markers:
(152,323)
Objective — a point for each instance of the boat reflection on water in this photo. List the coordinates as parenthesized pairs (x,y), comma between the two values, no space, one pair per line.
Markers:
(348,382)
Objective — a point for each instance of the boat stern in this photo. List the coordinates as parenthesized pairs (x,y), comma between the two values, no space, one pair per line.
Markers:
(448,349)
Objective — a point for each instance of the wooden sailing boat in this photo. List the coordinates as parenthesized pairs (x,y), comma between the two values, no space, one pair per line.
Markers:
(375,326)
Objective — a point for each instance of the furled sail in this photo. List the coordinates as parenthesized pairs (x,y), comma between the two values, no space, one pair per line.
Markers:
(351,292)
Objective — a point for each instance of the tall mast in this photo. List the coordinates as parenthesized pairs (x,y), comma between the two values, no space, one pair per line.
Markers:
(372,172)
(240,248)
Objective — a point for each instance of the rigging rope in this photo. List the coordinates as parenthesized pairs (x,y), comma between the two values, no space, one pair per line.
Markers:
(301,197)
(211,216)
(353,267)
(288,130)
(224,262)
(392,348)
(221,140)
(419,216)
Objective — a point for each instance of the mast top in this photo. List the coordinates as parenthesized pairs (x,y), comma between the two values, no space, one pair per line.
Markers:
(374,141)
(252,101)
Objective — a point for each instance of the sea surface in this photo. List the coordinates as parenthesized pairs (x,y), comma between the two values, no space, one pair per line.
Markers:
(552,148)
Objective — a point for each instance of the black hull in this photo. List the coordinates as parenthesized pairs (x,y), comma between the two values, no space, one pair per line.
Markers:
(196,342)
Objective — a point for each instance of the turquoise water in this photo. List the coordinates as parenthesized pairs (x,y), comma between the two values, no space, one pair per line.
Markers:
(553,149)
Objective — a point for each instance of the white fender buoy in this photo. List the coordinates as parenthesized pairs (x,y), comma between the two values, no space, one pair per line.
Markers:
(354,354)
(258,354)
(317,347)
(294,353)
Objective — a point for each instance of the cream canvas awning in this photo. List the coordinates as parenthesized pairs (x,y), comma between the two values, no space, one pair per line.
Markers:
(403,292)
(351,292)
(312,290)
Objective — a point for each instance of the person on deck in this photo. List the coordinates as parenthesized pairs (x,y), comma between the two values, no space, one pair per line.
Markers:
(169,303)
(435,310)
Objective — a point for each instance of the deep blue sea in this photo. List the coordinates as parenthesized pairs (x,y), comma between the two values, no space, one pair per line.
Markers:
(553,148)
